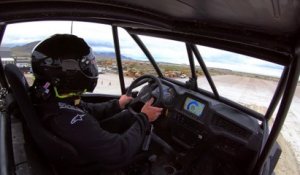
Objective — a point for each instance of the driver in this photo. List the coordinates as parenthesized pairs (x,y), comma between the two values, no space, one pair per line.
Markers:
(64,67)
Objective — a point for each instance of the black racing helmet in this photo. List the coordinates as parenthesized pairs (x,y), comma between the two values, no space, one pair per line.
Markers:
(67,62)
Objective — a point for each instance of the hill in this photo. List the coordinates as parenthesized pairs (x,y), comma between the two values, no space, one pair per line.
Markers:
(26,49)
(170,69)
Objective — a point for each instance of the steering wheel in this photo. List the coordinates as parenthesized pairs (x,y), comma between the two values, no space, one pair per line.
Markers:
(153,89)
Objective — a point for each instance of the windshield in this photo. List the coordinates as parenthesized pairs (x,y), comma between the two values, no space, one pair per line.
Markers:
(245,80)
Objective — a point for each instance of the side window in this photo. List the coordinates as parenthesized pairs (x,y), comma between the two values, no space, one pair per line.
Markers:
(246,80)
(19,40)
(100,38)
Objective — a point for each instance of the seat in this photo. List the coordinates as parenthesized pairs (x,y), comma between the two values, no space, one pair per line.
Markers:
(56,150)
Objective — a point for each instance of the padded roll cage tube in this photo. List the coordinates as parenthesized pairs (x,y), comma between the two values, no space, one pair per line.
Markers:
(5,164)
(6,158)
(147,53)
(292,81)
(2,77)
(5,152)
(118,57)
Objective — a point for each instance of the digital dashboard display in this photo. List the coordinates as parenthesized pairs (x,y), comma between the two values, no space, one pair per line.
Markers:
(193,106)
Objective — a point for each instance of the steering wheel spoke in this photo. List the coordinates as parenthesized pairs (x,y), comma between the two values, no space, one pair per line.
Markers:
(154,84)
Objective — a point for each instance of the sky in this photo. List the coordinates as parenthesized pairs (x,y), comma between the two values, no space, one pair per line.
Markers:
(99,37)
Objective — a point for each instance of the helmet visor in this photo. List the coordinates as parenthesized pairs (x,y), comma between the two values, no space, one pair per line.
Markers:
(88,65)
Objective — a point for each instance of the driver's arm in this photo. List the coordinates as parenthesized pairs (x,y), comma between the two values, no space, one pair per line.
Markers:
(102,110)
(110,150)
(106,109)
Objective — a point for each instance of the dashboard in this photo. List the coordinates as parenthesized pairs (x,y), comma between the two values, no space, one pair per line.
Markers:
(195,120)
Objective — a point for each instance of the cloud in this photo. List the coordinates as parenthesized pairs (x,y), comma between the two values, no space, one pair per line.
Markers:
(33,31)
(93,32)
(103,49)
(166,50)
(99,37)
(237,62)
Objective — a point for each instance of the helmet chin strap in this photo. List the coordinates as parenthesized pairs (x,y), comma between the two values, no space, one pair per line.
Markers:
(71,94)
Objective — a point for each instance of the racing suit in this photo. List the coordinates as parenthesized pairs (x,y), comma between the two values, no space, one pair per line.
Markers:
(83,127)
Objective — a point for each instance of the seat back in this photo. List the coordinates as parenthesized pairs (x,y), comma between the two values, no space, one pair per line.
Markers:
(54,149)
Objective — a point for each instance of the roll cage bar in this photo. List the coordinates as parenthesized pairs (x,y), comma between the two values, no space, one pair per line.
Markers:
(284,91)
